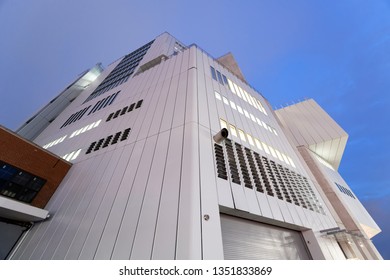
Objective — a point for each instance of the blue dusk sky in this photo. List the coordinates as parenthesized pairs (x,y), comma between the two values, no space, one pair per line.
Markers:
(336,52)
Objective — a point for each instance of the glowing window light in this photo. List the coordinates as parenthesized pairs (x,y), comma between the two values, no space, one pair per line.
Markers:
(242,135)
(233,130)
(231,86)
(250,139)
(237,90)
(76,154)
(253,117)
(246,114)
(265,146)
(223,123)
(225,100)
(217,95)
(259,121)
(240,110)
(233,105)
(273,153)
(258,144)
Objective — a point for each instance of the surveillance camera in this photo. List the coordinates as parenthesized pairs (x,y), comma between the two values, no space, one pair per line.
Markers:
(221,135)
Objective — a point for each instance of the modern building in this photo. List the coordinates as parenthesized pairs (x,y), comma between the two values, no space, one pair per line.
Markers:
(175,156)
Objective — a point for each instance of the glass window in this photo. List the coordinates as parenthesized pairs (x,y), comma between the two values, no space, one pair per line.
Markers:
(223,123)
(246,114)
(219,77)
(279,155)
(225,80)
(258,144)
(259,121)
(76,154)
(265,146)
(217,95)
(250,139)
(253,117)
(275,131)
(231,86)
(242,94)
(233,130)
(233,105)
(273,153)
(242,135)
(237,90)
(291,161)
(240,110)
(213,73)
(285,159)
(248,97)
(225,100)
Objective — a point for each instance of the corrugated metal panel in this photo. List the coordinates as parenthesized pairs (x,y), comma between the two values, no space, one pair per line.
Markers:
(245,239)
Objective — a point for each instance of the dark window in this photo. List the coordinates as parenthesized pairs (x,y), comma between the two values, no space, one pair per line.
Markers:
(139,103)
(213,73)
(125,134)
(219,77)
(225,80)
(131,107)
(109,117)
(19,184)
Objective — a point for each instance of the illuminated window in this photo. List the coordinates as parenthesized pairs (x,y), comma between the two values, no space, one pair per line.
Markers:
(242,135)
(246,114)
(253,118)
(259,121)
(258,144)
(76,154)
(248,97)
(237,90)
(225,100)
(231,86)
(275,132)
(242,94)
(223,123)
(233,130)
(265,146)
(233,105)
(264,124)
(273,153)
(217,95)
(250,139)
(240,110)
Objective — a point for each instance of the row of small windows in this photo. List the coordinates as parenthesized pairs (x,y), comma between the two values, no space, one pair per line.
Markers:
(99,105)
(244,112)
(104,102)
(124,110)
(85,128)
(253,141)
(72,155)
(55,142)
(258,172)
(74,133)
(18,184)
(345,191)
(75,117)
(237,90)
(121,73)
(109,140)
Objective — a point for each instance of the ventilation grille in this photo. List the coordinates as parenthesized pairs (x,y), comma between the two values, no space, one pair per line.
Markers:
(124,110)
(264,175)
(109,140)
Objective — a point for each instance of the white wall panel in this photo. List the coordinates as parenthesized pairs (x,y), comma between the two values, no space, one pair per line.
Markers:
(125,239)
(143,242)
(164,246)
(189,229)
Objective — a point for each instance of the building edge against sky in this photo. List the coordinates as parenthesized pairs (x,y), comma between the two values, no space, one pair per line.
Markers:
(149,181)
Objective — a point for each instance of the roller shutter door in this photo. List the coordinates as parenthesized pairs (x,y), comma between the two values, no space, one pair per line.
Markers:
(245,239)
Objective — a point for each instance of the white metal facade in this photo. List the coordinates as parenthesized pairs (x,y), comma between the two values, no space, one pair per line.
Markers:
(156,194)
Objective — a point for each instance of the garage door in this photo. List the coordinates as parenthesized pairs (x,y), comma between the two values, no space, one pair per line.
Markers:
(245,239)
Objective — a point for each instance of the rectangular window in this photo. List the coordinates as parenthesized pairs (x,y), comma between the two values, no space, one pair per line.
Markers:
(233,130)
(139,103)
(231,86)
(248,97)
(273,153)
(250,139)
(219,77)
(279,155)
(213,73)
(223,123)
(237,90)
(242,135)
(225,80)
(225,100)
(242,94)
(265,146)
(233,105)
(258,144)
